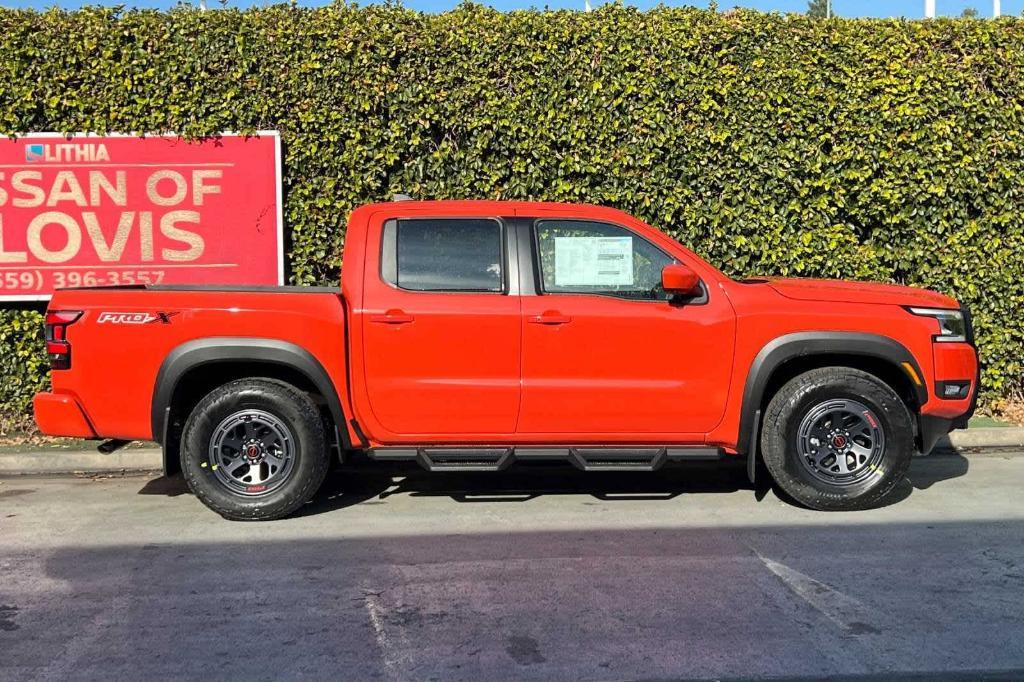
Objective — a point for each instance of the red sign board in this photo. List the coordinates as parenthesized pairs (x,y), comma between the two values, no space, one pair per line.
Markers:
(109,210)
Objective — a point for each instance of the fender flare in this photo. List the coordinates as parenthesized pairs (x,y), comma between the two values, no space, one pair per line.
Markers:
(192,354)
(803,344)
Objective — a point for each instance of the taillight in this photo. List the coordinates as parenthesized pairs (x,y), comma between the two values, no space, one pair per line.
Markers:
(57,345)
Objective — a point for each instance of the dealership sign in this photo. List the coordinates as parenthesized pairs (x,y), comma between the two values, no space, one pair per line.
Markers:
(112,210)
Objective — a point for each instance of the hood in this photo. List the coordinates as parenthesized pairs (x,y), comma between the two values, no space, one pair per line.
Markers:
(858,292)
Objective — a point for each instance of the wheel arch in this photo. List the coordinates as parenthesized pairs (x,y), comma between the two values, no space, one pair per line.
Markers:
(785,357)
(194,368)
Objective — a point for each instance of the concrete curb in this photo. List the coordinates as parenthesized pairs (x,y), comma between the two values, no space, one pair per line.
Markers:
(151,459)
(84,461)
(996,437)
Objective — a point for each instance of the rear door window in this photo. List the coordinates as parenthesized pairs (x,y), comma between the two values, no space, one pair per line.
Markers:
(444,254)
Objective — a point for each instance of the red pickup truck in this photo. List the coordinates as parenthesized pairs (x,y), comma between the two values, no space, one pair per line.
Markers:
(471,335)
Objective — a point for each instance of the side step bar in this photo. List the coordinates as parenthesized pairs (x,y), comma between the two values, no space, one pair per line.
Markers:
(583,458)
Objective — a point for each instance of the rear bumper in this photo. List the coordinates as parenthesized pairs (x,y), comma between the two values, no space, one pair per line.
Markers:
(59,414)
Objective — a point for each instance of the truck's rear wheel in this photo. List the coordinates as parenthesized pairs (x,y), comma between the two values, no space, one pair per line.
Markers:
(837,439)
(254,449)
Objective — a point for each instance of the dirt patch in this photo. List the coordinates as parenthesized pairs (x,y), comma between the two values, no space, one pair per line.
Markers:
(7,615)
(16,492)
(524,650)
(44,443)
(1010,410)
(32,442)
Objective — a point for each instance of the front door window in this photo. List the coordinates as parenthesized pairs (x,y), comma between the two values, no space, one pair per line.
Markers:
(585,257)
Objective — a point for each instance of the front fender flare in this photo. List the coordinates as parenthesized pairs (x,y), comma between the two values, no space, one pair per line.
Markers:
(780,350)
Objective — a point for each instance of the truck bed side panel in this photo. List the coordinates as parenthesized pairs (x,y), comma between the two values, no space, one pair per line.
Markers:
(115,359)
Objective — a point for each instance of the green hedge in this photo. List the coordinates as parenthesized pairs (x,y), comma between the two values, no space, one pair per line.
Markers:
(873,149)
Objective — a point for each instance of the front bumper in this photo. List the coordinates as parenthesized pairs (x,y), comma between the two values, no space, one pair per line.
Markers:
(59,414)
(957,363)
(961,421)
(930,430)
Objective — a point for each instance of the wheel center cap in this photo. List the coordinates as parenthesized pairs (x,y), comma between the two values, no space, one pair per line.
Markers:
(252,451)
(839,441)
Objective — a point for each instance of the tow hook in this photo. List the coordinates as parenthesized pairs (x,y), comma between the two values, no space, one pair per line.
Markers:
(112,445)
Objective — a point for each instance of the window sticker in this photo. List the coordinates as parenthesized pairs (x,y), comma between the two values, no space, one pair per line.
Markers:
(593,261)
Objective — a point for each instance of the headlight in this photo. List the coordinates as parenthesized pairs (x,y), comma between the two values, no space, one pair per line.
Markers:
(951,323)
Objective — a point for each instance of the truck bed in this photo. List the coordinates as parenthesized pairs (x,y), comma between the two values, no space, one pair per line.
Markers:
(127,334)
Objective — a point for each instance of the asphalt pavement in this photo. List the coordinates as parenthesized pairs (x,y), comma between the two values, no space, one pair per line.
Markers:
(546,574)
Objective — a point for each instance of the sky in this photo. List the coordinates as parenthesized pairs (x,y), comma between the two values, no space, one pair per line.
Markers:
(912,9)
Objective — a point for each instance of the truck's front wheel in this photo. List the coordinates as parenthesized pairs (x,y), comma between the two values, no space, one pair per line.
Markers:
(837,438)
(254,449)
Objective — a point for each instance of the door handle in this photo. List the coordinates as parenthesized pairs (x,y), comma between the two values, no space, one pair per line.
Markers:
(393,316)
(551,317)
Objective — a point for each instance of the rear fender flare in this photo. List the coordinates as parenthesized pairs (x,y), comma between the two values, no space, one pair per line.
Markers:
(192,354)
(803,344)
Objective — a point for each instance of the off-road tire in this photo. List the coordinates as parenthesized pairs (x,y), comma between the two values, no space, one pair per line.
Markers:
(796,399)
(292,407)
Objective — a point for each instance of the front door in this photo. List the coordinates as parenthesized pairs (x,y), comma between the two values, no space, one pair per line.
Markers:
(441,347)
(606,355)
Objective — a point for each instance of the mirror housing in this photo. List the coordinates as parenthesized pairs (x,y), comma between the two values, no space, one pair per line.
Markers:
(680,280)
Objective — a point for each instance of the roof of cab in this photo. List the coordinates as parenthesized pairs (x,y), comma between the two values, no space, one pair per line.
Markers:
(488,207)
(484,204)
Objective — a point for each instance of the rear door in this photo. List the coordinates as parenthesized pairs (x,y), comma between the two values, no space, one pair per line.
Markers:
(441,351)
(607,356)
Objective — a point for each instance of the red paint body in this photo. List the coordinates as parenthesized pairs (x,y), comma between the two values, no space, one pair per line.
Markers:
(422,368)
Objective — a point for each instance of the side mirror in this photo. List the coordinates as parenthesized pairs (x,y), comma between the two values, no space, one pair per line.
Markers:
(680,280)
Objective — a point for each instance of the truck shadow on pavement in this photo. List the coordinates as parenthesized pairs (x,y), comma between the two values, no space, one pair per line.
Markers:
(373,483)
(353,485)
(357,485)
